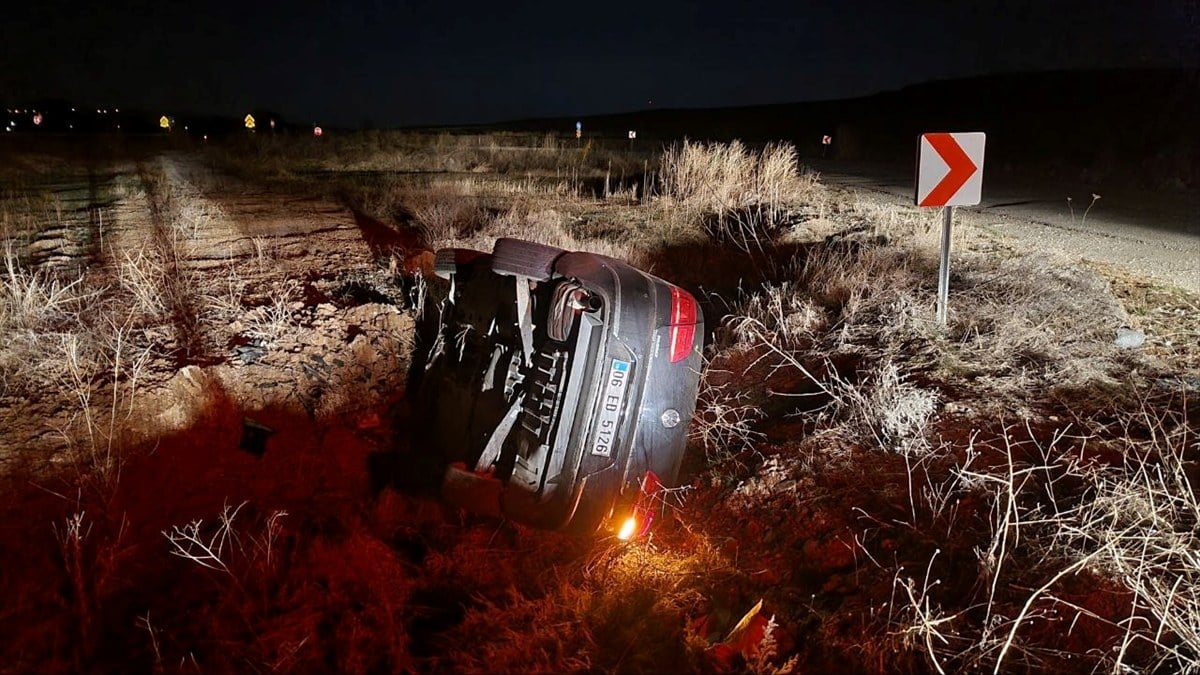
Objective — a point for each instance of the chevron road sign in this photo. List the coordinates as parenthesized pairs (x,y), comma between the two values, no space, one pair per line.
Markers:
(950,169)
(949,174)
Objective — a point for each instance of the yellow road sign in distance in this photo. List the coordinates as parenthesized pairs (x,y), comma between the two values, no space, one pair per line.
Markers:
(249,121)
(164,122)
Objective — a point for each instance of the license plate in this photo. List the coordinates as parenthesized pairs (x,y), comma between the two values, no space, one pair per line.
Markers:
(610,407)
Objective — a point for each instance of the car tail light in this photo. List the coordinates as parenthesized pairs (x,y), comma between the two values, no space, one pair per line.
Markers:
(683,324)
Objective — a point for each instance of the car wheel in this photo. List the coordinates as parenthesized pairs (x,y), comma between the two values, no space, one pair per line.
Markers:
(447,260)
(514,257)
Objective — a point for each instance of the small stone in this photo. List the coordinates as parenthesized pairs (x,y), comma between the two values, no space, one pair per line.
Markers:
(1129,338)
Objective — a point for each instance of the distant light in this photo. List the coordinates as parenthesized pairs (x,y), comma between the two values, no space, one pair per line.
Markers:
(317,132)
(70,126)
(72,110)
(97,111)
(185,127)
(205,138)
(116,110)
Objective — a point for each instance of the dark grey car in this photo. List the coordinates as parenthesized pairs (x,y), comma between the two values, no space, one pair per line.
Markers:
(560,385)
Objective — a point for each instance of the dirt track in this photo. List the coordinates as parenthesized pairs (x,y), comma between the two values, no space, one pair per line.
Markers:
(283,296)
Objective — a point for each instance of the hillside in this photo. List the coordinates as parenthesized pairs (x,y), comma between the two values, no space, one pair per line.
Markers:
(1108,127)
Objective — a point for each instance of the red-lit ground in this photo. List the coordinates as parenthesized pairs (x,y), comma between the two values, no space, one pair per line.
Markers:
(270,511)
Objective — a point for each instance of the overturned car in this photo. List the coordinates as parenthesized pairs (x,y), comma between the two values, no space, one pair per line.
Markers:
(559,386)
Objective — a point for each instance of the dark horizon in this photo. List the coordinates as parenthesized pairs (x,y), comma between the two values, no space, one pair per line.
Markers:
(433,64)
(1183,76)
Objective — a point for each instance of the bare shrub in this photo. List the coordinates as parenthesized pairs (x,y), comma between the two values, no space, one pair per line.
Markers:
(142,274)
(92,559)
(1139,528)
(724,421)
(773,478)
(34,300)
(446,217)
(35,308)
(890,408)
(1014,322)
(224,304)
(1021,560)
(210,548)
(1059,520)
(785,310)
(281,583)
(736,194)
(114,355)
(272,322)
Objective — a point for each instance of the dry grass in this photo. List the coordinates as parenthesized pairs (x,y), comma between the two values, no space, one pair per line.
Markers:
(1008,493)
(724,422)
(853,321)
(736,194)
(513,155)
(1139,528)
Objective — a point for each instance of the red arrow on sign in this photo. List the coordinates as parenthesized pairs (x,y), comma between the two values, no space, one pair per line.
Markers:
(961,169)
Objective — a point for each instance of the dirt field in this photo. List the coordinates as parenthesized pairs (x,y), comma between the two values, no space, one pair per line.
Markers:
(208,463)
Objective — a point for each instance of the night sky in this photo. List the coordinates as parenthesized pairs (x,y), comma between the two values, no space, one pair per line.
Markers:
(446,62)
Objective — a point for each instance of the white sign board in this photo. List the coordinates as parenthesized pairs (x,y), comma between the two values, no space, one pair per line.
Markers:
(950,169)
(632,135)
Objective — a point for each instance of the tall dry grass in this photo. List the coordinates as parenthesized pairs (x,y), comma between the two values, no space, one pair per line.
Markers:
(736,194)
(847,342)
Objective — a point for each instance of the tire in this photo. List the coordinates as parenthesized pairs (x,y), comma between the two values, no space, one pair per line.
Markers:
(447,260)
(514,257)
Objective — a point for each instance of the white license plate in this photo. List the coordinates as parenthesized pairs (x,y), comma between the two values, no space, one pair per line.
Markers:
(611,404)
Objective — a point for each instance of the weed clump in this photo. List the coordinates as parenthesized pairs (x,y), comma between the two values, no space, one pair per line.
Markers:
(735,194)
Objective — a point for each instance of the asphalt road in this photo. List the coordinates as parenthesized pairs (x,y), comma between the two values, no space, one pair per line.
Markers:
(1151,233)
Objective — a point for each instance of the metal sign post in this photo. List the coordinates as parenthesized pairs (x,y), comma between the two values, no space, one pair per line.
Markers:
(944,265)
(949,174)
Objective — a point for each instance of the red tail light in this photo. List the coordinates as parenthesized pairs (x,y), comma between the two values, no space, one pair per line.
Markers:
(683,324)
